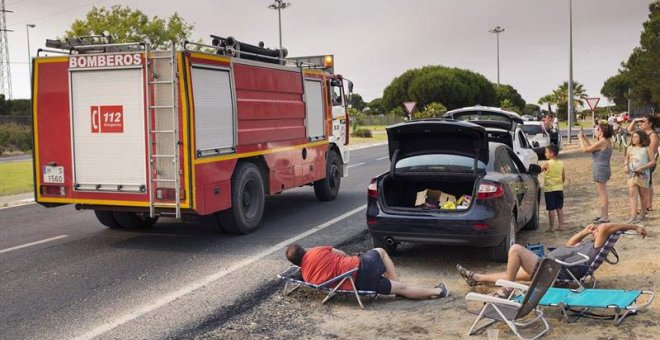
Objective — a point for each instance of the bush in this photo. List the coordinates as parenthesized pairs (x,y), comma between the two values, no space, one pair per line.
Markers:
(364,133)
(13,135)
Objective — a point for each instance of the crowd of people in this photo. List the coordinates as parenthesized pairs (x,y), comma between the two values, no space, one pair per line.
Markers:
(376,271)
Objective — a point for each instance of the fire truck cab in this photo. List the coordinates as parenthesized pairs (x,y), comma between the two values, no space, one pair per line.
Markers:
(207,130)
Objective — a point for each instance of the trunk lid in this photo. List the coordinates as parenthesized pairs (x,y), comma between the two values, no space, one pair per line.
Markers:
(437,136)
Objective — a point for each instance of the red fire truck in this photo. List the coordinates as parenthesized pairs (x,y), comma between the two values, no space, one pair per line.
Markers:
(207,130)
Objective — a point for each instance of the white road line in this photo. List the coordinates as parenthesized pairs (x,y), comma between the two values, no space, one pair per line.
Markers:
(358,164)
(380,159)
(33,243)
(146,308)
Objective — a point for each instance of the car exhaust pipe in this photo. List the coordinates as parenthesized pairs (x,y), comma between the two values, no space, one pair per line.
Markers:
(389,241)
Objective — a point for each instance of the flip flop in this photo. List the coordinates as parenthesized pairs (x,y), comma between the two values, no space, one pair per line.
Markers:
(467,275)
(502,293)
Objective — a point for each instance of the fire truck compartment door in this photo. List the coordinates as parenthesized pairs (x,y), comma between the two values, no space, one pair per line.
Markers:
(108,124)
(214,111)
(314,107)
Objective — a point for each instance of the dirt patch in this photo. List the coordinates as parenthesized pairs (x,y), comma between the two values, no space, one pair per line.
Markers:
(301,314)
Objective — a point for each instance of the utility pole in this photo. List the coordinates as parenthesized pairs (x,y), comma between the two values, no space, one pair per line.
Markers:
(497,30)
(27,32)
(279,5)
(5,70)
(570,68)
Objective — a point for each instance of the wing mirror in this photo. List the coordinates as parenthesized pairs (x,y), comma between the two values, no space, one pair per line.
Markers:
(535,169)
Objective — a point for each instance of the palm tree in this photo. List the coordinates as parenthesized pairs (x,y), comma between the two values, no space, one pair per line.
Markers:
(559,97)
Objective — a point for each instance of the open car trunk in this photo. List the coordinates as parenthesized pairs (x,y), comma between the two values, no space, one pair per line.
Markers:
(400,192)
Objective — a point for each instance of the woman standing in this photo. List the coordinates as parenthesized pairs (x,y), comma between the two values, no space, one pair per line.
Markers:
(648,124)
(639,160)
(601,153)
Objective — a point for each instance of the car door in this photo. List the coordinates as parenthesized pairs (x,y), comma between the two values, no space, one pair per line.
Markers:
(504,164)
(530,185)
(522,149)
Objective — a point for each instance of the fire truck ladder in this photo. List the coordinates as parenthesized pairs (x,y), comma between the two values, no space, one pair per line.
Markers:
(163,126)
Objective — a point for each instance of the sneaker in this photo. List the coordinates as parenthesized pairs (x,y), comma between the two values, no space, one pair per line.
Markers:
(444,291)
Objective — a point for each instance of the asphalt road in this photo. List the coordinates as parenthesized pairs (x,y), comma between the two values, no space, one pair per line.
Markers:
(84,280)
(12,159)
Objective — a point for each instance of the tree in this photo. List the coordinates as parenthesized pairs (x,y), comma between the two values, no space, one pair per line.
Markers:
(433,110)
(616,89)
(559,97)
(531,110)
(507,92)
(506,104)
(357,102)
(453,87)
(127,25)
(376,107)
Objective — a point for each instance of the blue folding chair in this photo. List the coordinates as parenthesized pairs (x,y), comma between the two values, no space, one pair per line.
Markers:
(293,276)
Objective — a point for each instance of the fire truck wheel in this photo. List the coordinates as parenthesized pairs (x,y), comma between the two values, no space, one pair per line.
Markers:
(327,188)
(247,200)
(131,220)
(107,219)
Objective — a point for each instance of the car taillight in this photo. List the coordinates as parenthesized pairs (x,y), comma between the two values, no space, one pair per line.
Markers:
(490,190)
(372,189)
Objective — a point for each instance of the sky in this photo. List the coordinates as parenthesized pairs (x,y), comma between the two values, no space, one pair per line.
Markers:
(375,41)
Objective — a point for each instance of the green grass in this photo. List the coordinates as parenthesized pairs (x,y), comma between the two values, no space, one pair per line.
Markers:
(375,139)
(16,178)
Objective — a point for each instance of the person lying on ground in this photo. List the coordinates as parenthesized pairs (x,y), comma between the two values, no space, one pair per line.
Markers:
(375,272)
(522,262)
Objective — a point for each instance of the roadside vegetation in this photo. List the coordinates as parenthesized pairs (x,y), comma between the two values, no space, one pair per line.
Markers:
(16,178)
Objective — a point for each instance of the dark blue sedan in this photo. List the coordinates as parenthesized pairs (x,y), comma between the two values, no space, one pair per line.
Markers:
(448,184)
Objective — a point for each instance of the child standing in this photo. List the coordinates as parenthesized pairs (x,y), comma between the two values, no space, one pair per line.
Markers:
(554,187)
(639,160)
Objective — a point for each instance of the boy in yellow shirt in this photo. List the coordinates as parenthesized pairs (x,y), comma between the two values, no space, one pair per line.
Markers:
(554,187)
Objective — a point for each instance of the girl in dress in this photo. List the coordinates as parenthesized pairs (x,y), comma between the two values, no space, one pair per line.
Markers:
(639,160)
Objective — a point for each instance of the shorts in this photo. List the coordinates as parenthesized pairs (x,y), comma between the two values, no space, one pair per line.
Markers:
(370,274)
(579,271)
(554,200)
(601,175)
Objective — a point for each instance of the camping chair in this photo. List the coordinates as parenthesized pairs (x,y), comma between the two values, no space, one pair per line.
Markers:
(577,303)
(567,277)
(511,312)
(293,276)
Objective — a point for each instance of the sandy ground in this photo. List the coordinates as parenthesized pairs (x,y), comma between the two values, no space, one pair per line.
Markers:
(301,314)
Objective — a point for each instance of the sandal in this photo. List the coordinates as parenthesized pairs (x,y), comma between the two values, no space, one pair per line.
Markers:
(467,275)
(444,291)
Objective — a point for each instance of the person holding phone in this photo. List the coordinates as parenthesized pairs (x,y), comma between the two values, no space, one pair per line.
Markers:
(601,154)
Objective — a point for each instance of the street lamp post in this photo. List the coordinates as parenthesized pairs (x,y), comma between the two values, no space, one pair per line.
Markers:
(497,30)
(569,114)
(27,32)
(279,5)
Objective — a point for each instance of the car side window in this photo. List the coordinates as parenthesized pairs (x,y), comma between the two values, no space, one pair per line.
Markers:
(519,166)
(504,164)
(522,140)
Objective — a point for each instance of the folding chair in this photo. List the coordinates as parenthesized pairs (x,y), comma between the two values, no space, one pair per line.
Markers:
(567,277)
(512,312)
(293,276)
(576,304)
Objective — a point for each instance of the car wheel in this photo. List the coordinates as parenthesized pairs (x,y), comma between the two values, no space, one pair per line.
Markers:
(500,253)
(107,219)
(327,188)
(247,200)
(131,220)
(533,223)
(380,243)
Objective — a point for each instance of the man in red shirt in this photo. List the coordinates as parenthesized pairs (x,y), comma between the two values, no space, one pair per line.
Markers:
(375,271)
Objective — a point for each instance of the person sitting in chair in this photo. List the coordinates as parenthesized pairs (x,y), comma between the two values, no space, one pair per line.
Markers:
(375,271)
(522,262)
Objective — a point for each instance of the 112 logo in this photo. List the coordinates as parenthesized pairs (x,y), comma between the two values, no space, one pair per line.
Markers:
(107,118)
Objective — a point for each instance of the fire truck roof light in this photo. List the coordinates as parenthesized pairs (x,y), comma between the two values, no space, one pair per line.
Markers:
(327,61)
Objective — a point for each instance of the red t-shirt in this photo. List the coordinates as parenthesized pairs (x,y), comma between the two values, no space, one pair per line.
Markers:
(320,264)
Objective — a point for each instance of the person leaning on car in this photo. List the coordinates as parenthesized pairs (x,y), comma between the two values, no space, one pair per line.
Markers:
(375,272)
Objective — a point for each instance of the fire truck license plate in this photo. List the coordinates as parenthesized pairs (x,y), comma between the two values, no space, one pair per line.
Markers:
(53,174)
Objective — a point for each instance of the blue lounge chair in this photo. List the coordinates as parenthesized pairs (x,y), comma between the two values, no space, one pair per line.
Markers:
(293,276)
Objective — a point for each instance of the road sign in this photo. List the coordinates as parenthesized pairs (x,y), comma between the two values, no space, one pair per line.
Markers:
(592,102)
(410,107)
